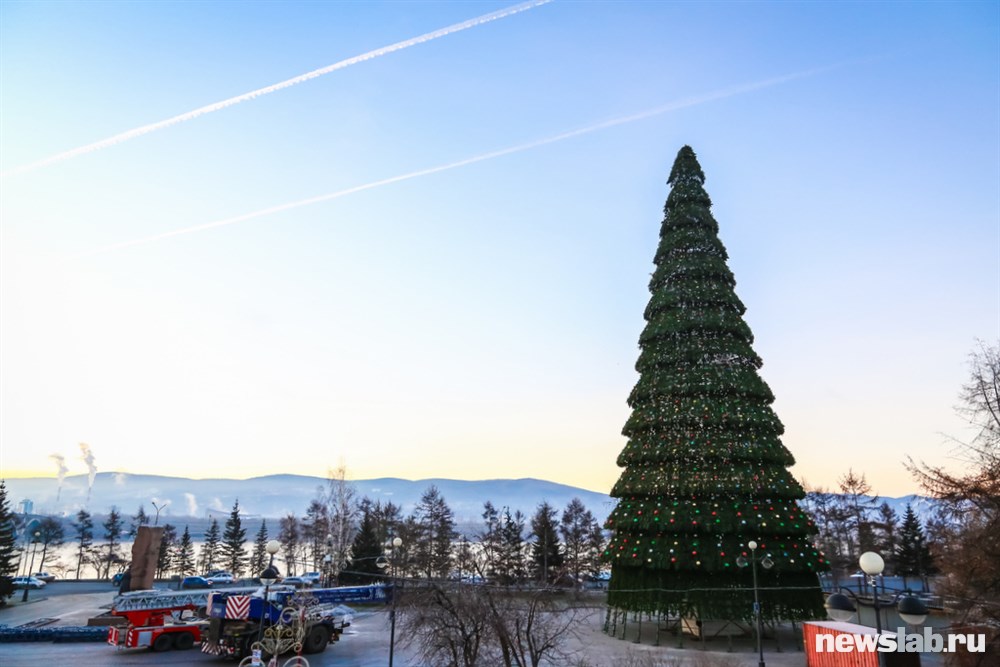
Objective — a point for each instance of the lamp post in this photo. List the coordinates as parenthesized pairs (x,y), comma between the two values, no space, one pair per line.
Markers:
(910,608)
(267,577)
(328,561)
(34,550)
(767,564)
(872,565)
(156,521)
(390,562)
(841,606)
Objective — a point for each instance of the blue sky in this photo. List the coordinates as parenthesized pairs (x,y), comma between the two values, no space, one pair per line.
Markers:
(482,320)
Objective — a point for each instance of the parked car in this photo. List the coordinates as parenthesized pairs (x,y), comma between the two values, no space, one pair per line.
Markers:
(312,577)
(44,576)
(28,582)
(298,582)
(220,577)
(195,582)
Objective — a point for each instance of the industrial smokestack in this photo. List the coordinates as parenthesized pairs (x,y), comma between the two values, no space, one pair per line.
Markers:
(61,471)
(88,458)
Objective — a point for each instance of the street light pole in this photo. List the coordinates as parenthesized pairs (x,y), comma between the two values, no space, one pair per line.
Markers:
(156,521)
(767,564)
(911,609)
(872,565)
(267,577)
(390,550)
(34,550)
(328,561)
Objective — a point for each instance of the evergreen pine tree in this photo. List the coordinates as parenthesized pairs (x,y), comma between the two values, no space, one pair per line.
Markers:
(705,471)
(435,523)
(234,539)
(259,557)
(510,560)
(184,562)
(582,540)
(8,540)
(84,527)
(113,534)
(388,518)
(489,540)
(546,555)
(913,556)
(886,537)
(168,543)
(210,549)
(365,551)
(140,518)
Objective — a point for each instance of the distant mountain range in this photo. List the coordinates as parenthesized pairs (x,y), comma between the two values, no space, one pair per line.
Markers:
(275,496)
(280,495)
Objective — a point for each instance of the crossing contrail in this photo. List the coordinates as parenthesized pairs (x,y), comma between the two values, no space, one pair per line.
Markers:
(201,111)
(622,120)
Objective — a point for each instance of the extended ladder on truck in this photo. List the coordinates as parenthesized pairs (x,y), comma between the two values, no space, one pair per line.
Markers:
(238,620)
(157,620)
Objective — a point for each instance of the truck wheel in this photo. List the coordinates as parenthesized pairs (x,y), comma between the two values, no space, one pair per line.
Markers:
(316,640)
(163,643)
(183,641)
(246,649)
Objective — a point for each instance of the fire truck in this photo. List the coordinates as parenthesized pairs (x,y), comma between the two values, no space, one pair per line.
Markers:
(290,619)
(161,620)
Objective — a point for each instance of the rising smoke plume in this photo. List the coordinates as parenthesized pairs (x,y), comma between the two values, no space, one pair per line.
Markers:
(61,471)
(88,458)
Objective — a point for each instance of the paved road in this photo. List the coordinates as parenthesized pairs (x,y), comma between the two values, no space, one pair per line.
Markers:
(366,644)
(57,588)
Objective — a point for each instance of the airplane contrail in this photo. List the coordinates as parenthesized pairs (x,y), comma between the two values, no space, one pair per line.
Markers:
(209,108)
(684,103)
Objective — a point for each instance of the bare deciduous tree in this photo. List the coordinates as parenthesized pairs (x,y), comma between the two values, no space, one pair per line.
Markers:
(531,627)
(970,557)
(464,626)
(342,514)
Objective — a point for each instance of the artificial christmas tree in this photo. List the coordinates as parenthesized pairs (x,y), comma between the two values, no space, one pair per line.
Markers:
(705,472)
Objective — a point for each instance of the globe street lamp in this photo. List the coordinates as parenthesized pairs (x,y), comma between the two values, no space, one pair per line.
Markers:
(267,577)
(767,564)
(910,608)
(841,606)
(390,562)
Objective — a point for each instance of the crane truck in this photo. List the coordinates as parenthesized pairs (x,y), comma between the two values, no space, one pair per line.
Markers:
(161,620)
(306,620)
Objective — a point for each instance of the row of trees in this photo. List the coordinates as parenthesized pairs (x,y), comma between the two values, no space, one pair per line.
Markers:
(853,521)
(44,540)
(508,549)
(340,534)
